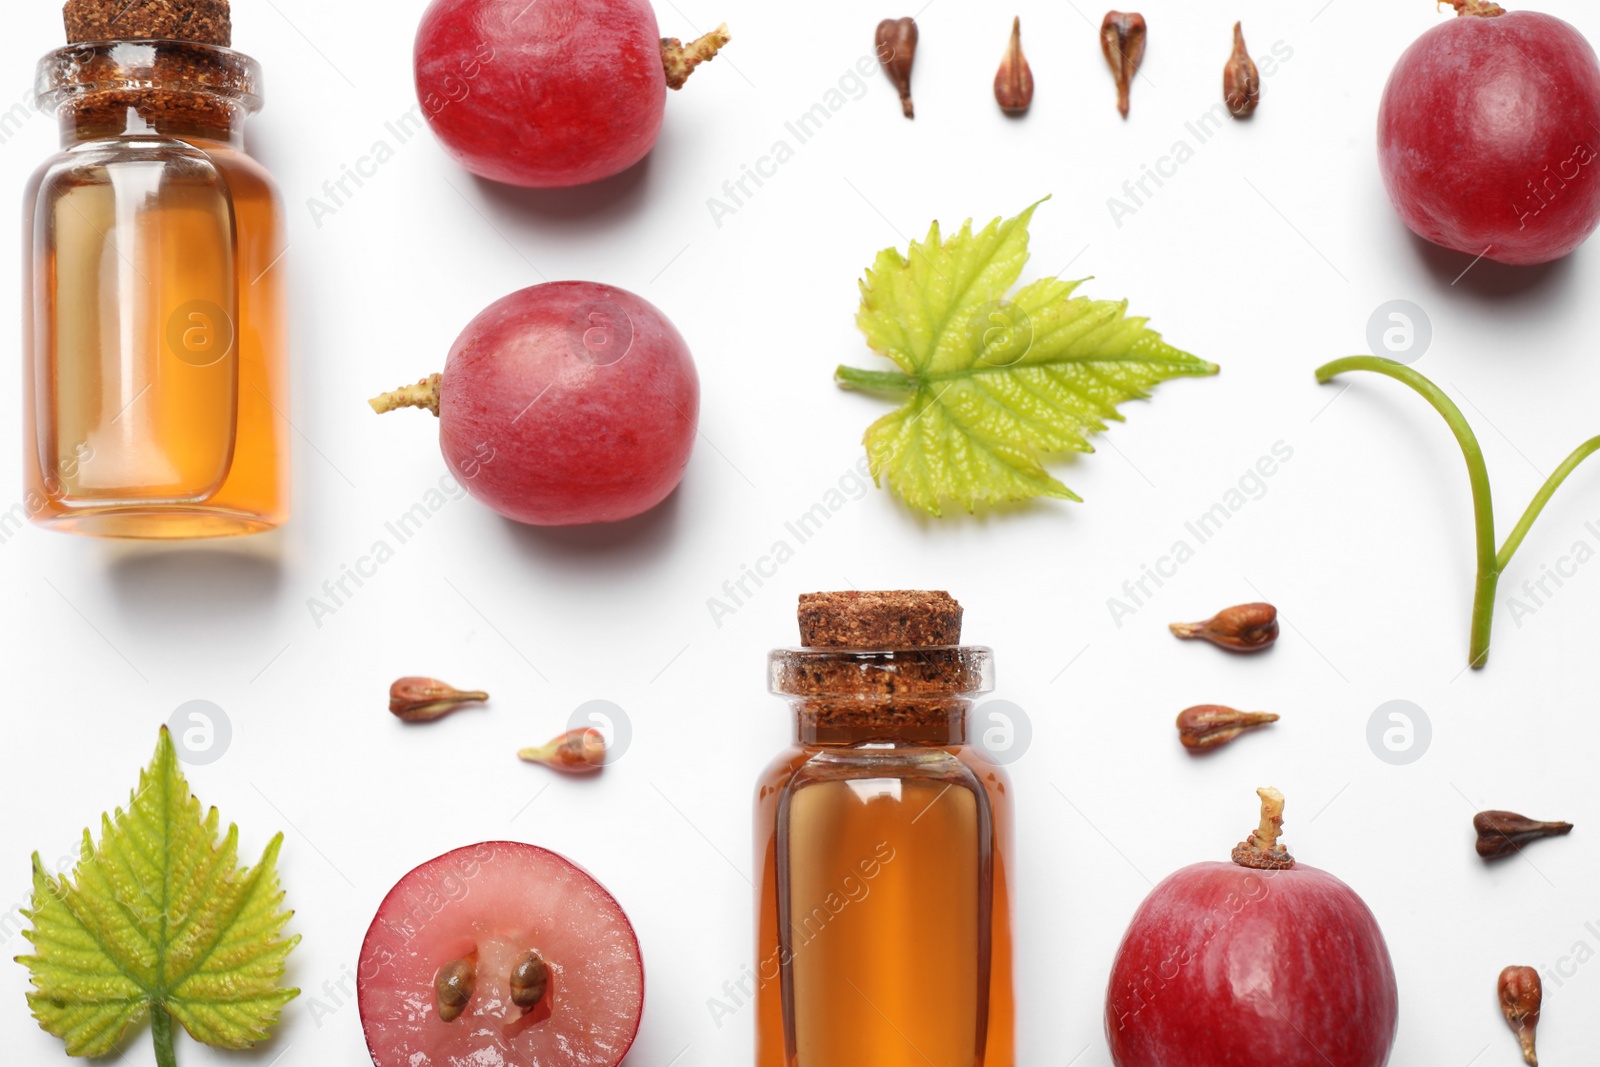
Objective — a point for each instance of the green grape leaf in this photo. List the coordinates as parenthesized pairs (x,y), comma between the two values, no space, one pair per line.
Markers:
(994,381)
(159,921)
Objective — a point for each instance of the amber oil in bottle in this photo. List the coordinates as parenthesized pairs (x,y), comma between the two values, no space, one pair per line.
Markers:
(882,843)
(153,313)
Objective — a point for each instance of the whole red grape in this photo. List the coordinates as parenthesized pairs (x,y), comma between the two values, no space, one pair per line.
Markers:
(565,403)
(1231,965)
(549,93)
(1489,135)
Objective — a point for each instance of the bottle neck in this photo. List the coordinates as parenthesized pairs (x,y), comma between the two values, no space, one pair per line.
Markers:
(148,89)
(846,697)
(820,722)
(152,114)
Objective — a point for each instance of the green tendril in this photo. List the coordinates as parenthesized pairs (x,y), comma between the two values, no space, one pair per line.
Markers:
(1491,563)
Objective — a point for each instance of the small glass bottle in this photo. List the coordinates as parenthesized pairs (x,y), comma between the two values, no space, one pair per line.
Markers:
(883,843)
(154,349)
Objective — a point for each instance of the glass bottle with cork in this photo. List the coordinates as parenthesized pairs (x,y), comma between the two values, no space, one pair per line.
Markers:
(154,349)
(883,846)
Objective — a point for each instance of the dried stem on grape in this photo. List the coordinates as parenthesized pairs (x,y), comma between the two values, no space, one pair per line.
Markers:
(425,394)
(1261,850)
(679,59)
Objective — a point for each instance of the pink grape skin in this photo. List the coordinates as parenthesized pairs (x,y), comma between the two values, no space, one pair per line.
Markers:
(537,424)
(1224,965)
(552,94)
(1488,135)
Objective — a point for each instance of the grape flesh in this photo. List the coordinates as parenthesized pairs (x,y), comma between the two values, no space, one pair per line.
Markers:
(492,903)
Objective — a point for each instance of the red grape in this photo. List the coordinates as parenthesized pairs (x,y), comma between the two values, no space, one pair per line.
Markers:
(565,403)
(491,904)
(1489,135)
(1228,964)
(551,93)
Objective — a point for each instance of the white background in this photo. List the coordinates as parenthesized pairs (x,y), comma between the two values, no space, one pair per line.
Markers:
(1267,253)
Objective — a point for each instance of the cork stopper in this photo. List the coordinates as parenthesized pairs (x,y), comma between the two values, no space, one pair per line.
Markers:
(201,21)
(899,619)
(884,666)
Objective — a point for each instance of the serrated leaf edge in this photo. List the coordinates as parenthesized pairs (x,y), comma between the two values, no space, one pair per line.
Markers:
(1023,459)
(164,994)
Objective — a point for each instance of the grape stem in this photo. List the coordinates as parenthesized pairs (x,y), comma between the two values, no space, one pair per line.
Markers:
(425,394)
(161,1031)
(1491,563)
(678,60)
(1261,850)
(1480,8)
